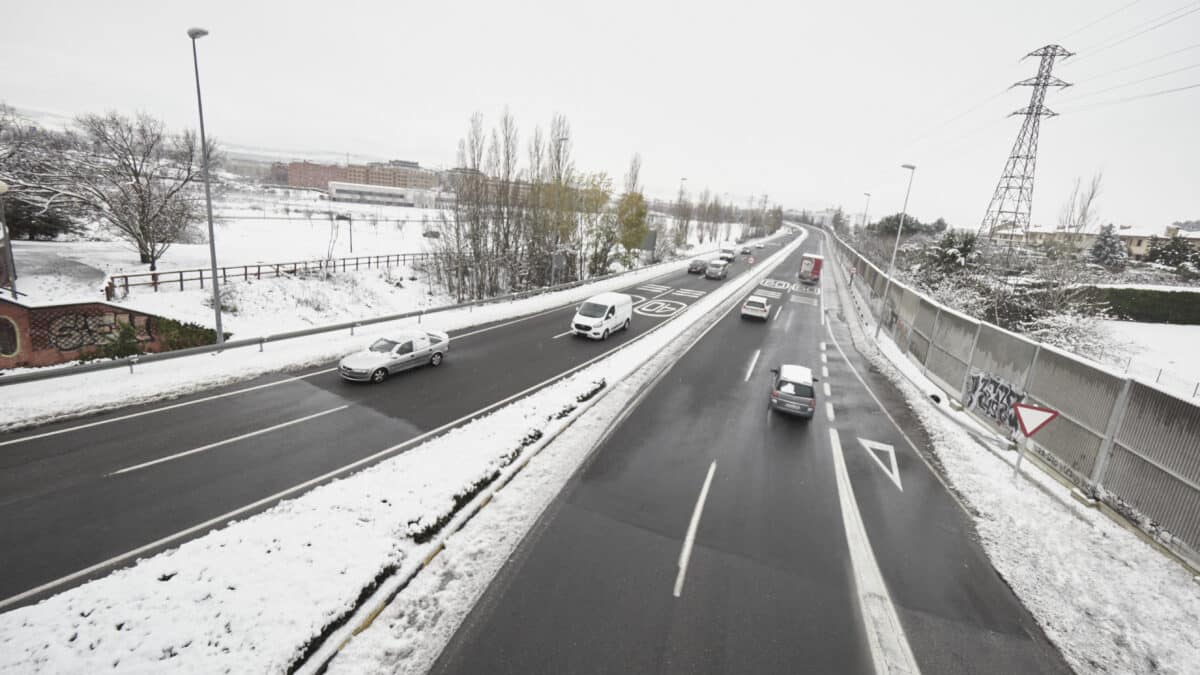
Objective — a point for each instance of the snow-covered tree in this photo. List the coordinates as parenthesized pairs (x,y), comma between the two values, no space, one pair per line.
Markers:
(1109,251)
(1173,251)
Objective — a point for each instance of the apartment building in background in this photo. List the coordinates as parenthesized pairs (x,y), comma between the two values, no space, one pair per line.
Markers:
(396,174)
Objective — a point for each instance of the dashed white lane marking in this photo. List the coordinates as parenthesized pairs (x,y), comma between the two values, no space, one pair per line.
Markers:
(824,371)
(824,359)
(566,332)
(822,346)
(167,407)
(829,411)
(778,311)
(686,554)
(654,288)
(826,385)
(787,325)
(227,441)
(750,368)
(885,634)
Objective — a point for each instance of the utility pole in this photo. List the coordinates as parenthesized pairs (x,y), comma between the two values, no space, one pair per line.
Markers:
(866,209)
(887,286)
(1012,202)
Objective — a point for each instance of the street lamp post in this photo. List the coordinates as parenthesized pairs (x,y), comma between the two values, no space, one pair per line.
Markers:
(866,209)
(195,34)
(912,170)
(9,264)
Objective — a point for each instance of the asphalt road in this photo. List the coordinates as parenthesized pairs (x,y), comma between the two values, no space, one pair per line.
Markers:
(770,584)
(77,498)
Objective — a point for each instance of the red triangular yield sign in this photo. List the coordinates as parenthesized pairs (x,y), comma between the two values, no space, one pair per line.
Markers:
(1031,418)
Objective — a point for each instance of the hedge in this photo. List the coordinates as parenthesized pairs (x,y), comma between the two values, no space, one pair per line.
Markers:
(1150,305)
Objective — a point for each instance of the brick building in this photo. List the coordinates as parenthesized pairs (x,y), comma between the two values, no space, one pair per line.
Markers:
(396,173)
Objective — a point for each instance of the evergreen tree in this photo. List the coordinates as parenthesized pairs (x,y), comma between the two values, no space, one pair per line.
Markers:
(1109,251)
(1172,252)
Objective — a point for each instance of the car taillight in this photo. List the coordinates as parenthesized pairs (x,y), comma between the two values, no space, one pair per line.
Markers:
(809,402)
(774,394)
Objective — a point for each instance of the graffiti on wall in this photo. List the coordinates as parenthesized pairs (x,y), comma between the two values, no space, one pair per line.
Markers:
(71,329)
(993,398)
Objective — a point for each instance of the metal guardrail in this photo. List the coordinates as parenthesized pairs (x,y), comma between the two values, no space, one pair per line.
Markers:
(1131,444)
(172,279)
(131,361)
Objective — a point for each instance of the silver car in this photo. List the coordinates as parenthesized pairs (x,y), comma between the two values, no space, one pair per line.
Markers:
(396,352)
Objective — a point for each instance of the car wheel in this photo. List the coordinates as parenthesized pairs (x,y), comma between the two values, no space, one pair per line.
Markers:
(626,326)
(604,335)
(379,375)
(436,359)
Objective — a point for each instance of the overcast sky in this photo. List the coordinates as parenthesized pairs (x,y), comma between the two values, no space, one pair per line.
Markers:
(811,103)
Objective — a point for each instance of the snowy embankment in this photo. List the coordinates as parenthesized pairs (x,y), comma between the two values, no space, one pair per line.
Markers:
(249,597)
(1107,600)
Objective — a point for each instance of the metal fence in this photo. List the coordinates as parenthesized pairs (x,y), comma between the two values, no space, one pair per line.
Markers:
(1131,444)
(180,279)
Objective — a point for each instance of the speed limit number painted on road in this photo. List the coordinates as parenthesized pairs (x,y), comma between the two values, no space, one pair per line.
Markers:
(660,308)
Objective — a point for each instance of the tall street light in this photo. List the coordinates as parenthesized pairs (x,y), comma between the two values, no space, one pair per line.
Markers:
(912,170)
(196,34)
(866,209)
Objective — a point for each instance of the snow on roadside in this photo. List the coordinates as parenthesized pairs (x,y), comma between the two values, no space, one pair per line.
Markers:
(255,308)
(1106,599)
(249,596)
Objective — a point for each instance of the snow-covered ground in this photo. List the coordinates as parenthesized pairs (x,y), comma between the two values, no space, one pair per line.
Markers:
(247,597)
(1161,352)
(1108,600)
(251,228)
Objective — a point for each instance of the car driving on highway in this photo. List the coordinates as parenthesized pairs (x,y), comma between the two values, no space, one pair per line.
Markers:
(717,269)
(745,250)
(792,390)
(396,352)
(601,315)
(697,265)
(757,307)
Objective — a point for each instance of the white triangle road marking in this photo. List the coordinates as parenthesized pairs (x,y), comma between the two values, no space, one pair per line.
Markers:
(873,449)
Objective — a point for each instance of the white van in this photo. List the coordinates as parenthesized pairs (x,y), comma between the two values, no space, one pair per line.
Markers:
(602,315)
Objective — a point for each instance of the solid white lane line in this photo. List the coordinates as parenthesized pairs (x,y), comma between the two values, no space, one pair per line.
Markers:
(685,555)
(166,407)
(882,408)
(227,441)
(829,410)
(565,332)
(824,371)
(826,388)
(750,368)
(885,634)
(777,312)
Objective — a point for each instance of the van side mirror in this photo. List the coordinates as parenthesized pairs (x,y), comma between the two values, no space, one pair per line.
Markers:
(775,370)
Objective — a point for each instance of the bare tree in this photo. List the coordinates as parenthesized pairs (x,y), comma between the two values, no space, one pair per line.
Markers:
(1079,213)
(128,174)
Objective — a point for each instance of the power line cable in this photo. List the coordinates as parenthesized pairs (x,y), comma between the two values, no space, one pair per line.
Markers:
(1131,83)
(934,130)
(1079,30)
(1103,104)
(1135,65)
(1191,8)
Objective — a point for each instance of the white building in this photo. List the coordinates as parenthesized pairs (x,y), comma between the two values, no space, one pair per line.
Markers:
(382,194)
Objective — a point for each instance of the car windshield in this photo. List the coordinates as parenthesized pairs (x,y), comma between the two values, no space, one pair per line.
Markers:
(593,310)
(754,304)
(383,346)
(795,389)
